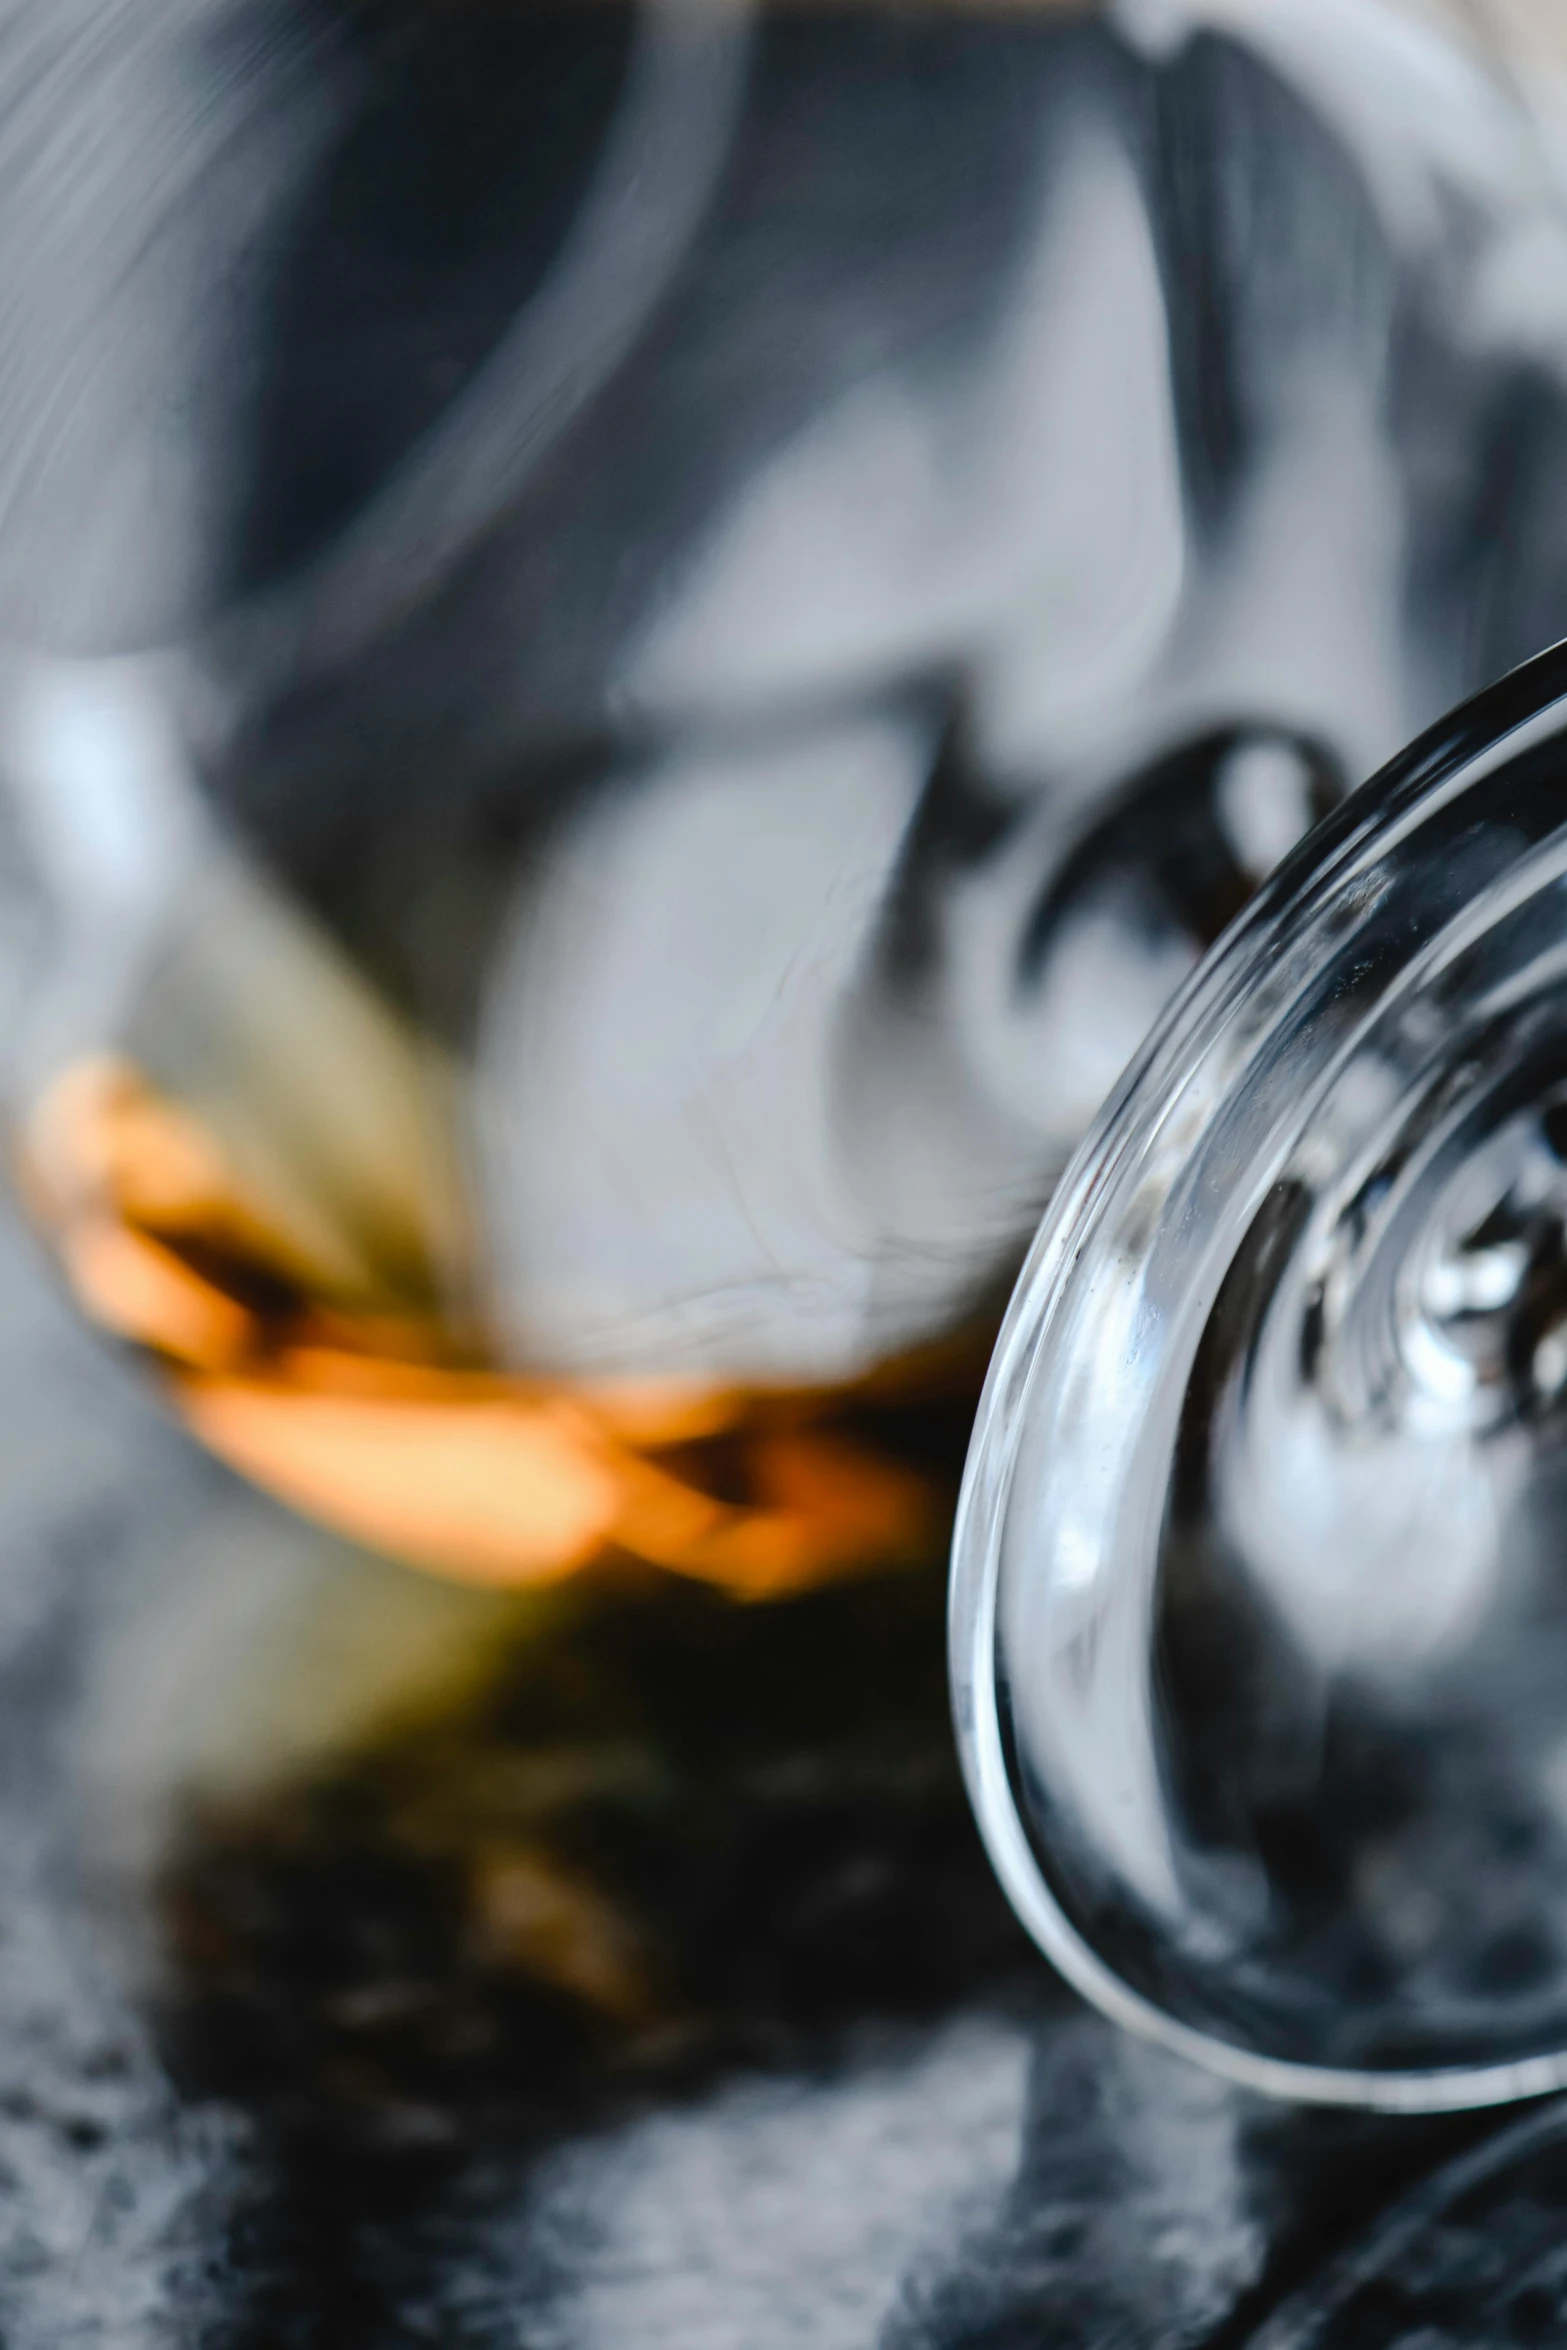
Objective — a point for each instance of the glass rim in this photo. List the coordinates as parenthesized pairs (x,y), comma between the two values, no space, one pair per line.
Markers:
(1484,733)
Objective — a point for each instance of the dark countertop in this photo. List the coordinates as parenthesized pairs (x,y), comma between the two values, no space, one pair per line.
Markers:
(383,1965)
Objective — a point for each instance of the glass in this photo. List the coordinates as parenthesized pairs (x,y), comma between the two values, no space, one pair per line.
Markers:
(554,893)
(1475,2252)
(638,646)
(1259,1619)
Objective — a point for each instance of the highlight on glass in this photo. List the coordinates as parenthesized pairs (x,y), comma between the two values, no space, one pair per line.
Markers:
(1260,1620)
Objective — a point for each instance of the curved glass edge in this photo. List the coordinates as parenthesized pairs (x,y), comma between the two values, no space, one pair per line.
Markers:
(1304,2316)
(1526,706)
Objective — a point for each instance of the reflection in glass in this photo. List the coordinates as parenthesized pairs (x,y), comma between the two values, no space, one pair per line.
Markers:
(1259,1625)
(638,645)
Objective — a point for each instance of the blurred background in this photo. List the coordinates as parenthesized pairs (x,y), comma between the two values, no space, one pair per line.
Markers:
(635,648)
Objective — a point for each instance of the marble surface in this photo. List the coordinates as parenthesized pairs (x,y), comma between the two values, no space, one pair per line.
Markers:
(380,1965)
